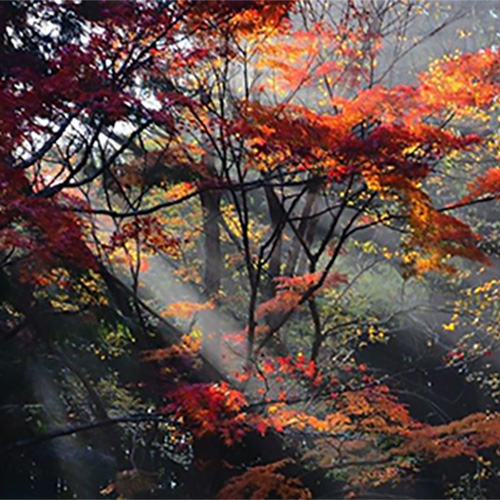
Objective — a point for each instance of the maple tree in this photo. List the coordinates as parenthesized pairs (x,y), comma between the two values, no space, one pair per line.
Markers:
(196,199)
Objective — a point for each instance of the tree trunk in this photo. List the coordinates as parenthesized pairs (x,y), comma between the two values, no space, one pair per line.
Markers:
(276,215)
(305,223)
(212,274)
(210,202)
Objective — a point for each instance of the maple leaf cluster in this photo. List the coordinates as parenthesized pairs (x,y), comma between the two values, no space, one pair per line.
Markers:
(61,107)
(290,290)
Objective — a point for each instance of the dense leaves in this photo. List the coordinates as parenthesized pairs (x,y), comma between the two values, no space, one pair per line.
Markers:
(203,206)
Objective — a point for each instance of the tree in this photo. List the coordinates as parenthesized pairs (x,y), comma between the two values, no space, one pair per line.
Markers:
(274,126)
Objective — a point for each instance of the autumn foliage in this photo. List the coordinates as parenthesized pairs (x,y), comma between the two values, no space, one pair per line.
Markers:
(194,185)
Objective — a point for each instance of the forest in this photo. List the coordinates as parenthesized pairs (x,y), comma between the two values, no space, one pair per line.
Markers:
(249,249)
